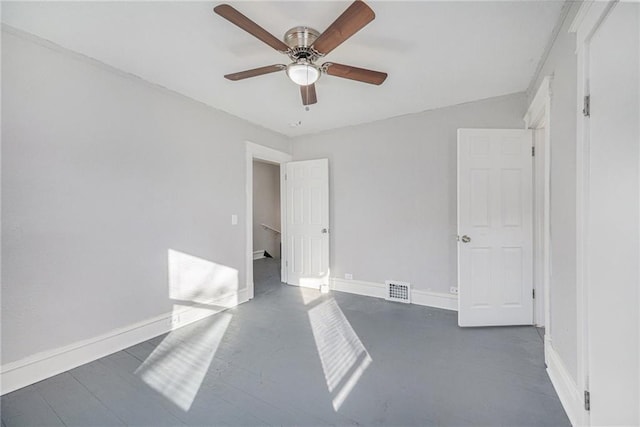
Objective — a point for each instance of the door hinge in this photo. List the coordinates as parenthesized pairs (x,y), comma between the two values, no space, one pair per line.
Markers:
(533,151)
(286,263)
(534,293)
(586,109)
(285,176)
(587,400)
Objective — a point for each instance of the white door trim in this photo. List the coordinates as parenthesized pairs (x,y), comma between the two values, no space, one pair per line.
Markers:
(260,152)
(539,116)
(587,20)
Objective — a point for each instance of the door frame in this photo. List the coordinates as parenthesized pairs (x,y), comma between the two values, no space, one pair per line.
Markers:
(538,116)
(260,152)
(587,20)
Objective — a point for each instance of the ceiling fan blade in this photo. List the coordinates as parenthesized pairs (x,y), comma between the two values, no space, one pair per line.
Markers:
(308,94)
(355,73)
(255,72)
(237,18)
(350,22)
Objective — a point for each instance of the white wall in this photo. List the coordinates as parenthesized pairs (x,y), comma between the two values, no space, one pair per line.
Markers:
(102,175)
(266,207)
(561,63)
(393,191)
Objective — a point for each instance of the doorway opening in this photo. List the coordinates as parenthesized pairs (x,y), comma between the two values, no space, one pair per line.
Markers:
(266,225)
(267,232)
(537,119)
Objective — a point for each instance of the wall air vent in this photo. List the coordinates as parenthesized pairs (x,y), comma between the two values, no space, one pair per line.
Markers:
(398,291)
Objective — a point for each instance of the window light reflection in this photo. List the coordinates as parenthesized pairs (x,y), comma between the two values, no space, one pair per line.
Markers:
(343,356)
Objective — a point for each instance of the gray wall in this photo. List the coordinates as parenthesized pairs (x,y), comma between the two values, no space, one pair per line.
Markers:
(266,207)
(102,175)
(561,63)
(393,191)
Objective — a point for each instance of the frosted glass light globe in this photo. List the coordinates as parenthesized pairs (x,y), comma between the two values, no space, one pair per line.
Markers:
(303,74)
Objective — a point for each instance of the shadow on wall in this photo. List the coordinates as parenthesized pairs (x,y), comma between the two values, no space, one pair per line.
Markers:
(197,280)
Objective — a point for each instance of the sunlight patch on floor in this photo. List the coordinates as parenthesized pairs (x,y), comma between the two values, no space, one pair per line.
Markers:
(176,368)
(309,295)
(343,356)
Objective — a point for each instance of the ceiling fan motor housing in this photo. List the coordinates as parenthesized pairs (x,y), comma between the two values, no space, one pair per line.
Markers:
(300,39)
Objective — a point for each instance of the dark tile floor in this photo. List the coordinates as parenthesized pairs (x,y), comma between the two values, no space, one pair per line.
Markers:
(294,357)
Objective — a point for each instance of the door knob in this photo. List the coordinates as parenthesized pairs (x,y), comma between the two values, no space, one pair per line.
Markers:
(465,239)
(324,230)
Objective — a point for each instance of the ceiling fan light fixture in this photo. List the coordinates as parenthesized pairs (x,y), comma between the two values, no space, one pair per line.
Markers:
(305,46)
(303,73)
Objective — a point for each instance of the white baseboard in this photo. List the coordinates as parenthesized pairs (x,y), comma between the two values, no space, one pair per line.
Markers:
(258,255)
(565,386)
(40,366)
(378,290)
(434,299)
(358,287)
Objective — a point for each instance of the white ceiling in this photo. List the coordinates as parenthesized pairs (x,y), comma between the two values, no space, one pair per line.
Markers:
(436,53)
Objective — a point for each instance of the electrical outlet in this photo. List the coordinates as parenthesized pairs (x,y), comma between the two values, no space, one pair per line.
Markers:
(453,290)
(348,276)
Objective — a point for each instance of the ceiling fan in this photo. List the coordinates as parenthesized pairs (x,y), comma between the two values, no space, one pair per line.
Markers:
(304,46)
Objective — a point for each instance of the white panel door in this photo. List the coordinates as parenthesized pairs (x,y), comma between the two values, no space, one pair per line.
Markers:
(613,225)
(307,225)
(495,222)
